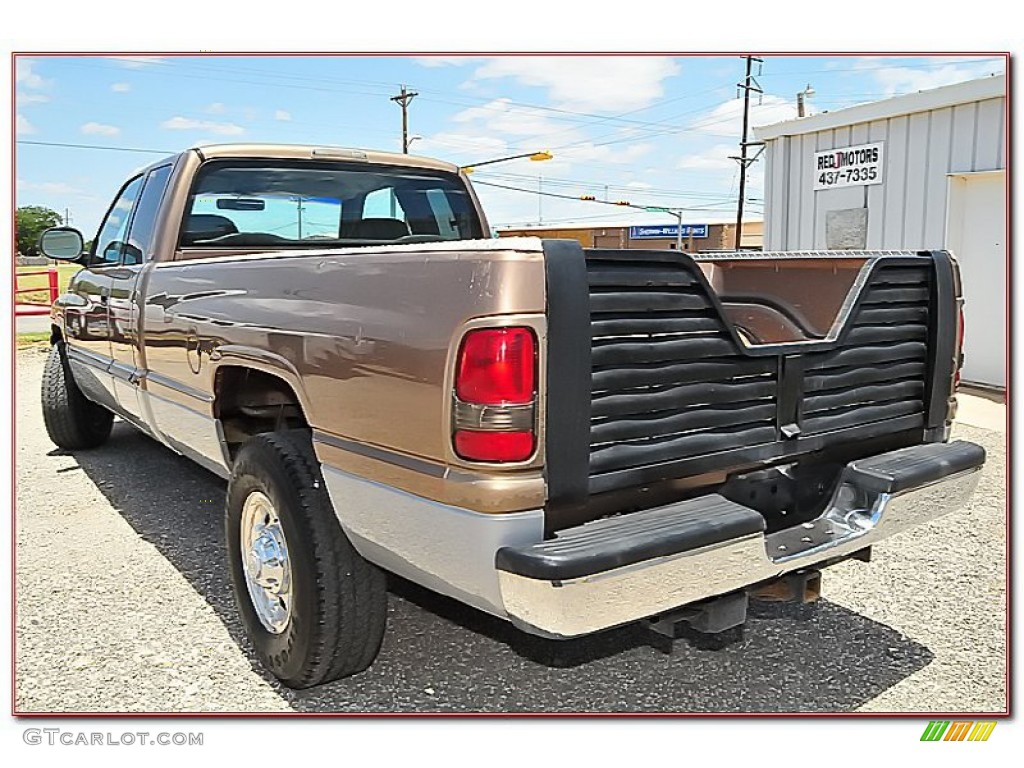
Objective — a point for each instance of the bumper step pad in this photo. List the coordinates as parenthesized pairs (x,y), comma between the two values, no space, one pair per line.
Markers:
(913,467)
(615,542)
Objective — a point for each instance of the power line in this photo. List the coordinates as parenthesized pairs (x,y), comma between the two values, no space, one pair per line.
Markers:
(475,183)
(596,185)
(163,69)
(576,198)
(457,101)
(167,68)
(553,181)
(97,146)
(957,62)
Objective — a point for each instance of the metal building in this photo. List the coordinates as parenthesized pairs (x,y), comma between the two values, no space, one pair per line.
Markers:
(924,170)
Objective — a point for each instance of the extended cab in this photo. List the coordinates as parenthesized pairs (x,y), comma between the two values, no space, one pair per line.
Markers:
(571,439)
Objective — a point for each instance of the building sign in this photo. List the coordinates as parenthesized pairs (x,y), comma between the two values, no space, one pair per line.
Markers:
(696,231)
(849,166)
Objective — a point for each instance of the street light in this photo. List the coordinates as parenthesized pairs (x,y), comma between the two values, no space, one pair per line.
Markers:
(679,219)
(533,156)
(801,99)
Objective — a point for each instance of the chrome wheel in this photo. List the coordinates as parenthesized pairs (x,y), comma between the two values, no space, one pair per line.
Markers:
(268,571)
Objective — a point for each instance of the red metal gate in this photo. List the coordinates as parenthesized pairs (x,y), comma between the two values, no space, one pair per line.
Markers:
(34,306)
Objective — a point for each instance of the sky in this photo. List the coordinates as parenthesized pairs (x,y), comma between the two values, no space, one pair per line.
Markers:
(652,130)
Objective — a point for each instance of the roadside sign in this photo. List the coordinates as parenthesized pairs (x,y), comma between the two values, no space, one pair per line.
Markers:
(696,231)
(849,166)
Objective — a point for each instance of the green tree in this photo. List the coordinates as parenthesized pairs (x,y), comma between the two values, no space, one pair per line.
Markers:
(29,223)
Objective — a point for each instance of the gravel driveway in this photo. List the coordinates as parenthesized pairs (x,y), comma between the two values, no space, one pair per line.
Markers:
(124,604)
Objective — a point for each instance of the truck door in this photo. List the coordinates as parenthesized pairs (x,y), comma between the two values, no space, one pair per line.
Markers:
(123,307)
(88,313)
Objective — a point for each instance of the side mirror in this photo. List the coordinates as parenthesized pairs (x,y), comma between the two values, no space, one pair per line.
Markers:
(62,243)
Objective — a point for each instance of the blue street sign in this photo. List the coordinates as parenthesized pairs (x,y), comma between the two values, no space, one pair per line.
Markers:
(645,232)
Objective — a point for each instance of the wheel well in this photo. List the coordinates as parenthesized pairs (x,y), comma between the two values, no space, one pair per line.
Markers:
(248,401)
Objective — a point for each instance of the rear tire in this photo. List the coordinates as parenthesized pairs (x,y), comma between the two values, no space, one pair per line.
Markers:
(72,421)
(322,616)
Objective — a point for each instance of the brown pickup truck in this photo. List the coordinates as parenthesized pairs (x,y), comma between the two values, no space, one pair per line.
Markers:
(572,439)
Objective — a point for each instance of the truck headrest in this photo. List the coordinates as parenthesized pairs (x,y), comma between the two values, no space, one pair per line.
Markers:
(377,229)
(206,226)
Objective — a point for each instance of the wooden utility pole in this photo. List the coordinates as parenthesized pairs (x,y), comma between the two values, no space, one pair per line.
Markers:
(748,85)
(403,99)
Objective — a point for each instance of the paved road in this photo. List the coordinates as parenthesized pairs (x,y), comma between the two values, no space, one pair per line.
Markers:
(124,604)
(33,323)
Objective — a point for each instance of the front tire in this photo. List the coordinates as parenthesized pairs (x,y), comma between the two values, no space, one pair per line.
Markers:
(313,607)
(72,421)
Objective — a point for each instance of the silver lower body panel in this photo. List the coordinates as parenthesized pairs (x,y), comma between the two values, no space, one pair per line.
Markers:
(443,548)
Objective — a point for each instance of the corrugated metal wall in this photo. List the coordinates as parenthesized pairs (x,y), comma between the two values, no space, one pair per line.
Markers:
(908,209)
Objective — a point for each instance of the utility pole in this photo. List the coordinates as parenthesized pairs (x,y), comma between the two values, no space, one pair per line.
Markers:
(403,99)
(540,199)
(748,85)
(67,216)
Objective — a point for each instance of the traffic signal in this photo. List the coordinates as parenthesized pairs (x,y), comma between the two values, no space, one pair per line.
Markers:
(622,202)
(587,197)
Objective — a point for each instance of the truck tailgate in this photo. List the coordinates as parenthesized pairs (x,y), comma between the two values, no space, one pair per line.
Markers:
(738,361)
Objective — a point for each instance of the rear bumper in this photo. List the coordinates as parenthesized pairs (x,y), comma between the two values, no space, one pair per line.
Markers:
(619,570)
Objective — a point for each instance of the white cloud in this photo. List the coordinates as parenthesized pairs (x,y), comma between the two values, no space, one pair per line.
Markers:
(179,123)
(282,114)
(100,129)
(901,76)
(47,187)
(904,79)
(26,77)
(717,158)
(504,128)
(137,62)
(444,61)
(726,118)
(120,87)
(601,84)
(32,98)
(23,127)
(216,108)
(502,116)
(468,147)
(588,152)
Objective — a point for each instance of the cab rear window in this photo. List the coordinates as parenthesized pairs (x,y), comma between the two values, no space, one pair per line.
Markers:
(286,204)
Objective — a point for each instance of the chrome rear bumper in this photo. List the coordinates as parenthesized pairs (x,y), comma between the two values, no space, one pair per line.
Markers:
(870,504)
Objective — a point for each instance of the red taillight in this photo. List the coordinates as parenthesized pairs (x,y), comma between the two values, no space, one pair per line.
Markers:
(493,446)
(496,365)
(495,387)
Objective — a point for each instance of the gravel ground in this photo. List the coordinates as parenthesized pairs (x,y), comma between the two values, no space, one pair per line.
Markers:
(124,605)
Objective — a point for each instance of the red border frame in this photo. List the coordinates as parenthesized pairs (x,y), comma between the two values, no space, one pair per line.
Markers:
(377,54)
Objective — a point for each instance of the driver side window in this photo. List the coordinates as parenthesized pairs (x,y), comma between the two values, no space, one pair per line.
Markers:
(114,231)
